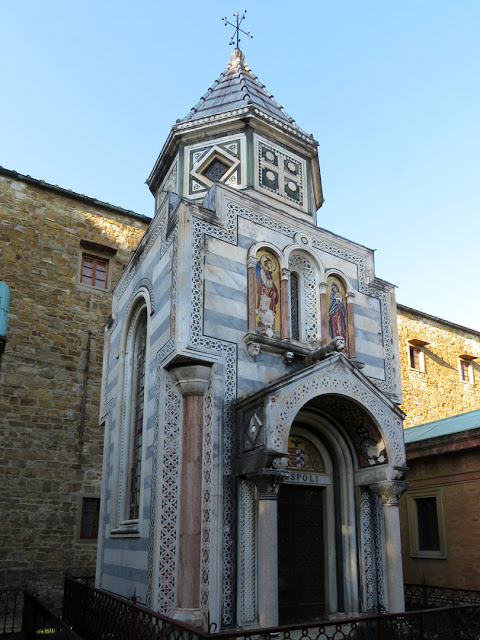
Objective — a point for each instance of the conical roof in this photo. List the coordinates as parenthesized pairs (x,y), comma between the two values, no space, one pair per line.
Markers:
(237,87)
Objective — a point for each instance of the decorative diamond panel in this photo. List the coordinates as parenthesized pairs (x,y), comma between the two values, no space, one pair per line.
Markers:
(218,161)
(281,173)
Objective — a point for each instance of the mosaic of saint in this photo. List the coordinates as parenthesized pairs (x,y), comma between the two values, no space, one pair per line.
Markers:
(268,294)
(303,455)
(337,309)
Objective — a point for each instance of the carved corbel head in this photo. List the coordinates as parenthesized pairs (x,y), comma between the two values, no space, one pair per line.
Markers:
(253,349)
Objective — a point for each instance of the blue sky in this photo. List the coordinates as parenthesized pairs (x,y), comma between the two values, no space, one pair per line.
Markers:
(89,90)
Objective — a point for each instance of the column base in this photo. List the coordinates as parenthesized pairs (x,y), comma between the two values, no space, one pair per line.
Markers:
(192,617)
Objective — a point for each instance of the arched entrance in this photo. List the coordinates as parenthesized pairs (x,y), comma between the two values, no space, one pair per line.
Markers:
(358,432)
(331,438)
(317,540)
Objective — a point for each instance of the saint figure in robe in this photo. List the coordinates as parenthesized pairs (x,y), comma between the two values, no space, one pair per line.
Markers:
(337,314)
(267,295)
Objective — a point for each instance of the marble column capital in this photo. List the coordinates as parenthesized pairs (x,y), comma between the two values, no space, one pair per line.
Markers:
(285,274)
(252,262)
(390,491)
(191,379)
(268,482)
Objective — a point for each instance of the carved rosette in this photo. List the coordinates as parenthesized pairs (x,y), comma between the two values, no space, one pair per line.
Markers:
(268,483)
(390,491)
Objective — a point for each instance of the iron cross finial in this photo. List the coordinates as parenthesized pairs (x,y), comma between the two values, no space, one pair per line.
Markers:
(234,38)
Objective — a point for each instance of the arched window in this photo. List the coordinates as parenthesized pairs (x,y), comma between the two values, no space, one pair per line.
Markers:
(133,368)
(138,402)
(304,313)
(294,307)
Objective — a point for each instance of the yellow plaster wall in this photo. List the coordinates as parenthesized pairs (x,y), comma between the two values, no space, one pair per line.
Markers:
(437,392)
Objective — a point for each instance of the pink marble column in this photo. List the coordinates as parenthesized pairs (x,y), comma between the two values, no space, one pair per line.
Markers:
(351,325)
(192,382)
(252,293)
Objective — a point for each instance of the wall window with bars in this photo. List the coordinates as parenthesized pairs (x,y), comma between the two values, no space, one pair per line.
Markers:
(425,523)
(94,271)
(89,518)
(137,419)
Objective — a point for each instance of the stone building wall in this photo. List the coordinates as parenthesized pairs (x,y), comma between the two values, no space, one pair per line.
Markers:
(437,392)
(44,469)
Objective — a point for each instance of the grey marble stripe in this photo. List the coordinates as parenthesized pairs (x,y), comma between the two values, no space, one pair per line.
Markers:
(372,314)
(379,363)
(112,383)
(216,320)
(164,297)
(247,385)
(245,241)
(126,573)
(126,544)
(368,336)
(228,293)
(164,326)
(225,263)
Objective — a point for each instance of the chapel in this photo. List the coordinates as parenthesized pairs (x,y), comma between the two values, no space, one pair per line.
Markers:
(254,453)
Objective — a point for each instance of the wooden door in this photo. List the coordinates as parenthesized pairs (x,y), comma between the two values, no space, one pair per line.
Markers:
(301,572)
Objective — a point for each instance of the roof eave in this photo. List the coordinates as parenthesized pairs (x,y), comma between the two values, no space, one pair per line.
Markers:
(186,129)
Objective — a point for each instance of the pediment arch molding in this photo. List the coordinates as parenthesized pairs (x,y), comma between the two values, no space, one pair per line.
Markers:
(330,379)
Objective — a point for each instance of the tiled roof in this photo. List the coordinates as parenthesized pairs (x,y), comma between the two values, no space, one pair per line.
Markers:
(236,88)
(445,427)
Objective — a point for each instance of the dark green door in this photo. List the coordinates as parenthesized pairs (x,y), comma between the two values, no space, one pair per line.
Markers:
(301,574)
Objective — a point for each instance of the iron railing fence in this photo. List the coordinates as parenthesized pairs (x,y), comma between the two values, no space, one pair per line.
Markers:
(98,615)
(24,616)
(11,609)
(425,596)
(37,621)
